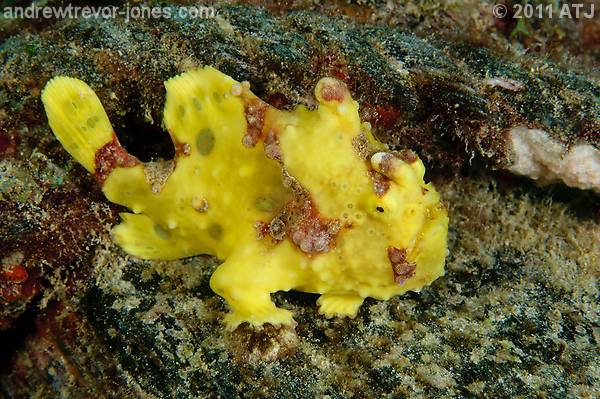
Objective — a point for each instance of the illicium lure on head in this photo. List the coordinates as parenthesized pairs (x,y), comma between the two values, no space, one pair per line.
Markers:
(305,199)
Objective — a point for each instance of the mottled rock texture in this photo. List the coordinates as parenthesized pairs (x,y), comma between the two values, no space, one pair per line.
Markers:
(515,316)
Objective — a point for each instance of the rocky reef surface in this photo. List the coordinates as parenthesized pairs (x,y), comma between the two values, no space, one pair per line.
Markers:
(516,314)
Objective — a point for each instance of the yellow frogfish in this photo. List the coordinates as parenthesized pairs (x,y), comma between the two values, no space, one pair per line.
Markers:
(303,200)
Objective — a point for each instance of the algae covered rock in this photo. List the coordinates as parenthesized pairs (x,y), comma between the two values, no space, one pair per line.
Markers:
(516,313)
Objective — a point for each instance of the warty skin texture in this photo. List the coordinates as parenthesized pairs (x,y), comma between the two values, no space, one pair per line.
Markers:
(303,199)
